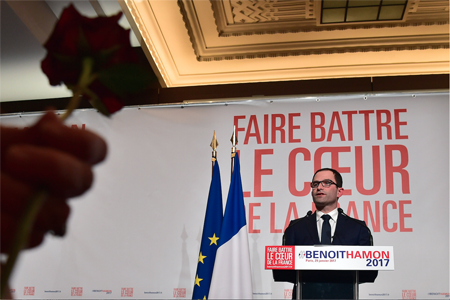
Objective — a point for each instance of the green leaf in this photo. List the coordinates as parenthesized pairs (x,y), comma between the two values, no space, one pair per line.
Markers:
(126,78)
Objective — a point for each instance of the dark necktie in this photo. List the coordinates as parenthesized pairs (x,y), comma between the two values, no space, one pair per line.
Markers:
(326,230)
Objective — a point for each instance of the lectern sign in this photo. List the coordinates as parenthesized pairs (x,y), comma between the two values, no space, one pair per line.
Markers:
(329,257)
(280,257)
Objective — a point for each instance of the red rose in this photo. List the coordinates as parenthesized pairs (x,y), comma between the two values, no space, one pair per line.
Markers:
(93,56)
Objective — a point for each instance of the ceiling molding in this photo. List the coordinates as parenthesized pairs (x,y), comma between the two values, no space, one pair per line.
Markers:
(185,44)
(235,18)
(150,40)
(193,24)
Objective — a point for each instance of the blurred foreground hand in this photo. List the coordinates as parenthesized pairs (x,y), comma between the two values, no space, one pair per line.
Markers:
(47,156)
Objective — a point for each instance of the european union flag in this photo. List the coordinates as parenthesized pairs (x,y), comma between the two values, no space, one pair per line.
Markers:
(210,237)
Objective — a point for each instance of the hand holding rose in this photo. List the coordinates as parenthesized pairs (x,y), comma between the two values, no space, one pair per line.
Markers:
(49,156)
(93,57)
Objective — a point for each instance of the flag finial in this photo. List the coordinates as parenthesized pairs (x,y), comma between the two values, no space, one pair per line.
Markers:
(234,141)
(214,145)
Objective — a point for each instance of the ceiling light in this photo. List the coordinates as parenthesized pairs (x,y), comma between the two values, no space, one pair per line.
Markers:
(348,11)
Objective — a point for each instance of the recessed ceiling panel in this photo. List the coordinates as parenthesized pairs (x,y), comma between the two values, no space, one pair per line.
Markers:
(202,42)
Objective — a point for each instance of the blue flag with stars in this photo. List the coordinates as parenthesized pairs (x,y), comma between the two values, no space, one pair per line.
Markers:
(210,237)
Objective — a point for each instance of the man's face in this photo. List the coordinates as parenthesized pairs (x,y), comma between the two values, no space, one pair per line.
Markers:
(325,198)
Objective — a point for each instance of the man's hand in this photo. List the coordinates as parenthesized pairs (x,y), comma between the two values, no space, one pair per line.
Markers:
(47,156)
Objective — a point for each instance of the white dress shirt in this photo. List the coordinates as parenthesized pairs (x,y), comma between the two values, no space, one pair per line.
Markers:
(334,215)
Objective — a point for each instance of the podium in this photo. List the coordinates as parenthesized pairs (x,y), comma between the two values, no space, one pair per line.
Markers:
(334,272)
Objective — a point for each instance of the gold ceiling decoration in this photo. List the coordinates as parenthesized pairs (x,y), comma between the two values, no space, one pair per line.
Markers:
(271,17)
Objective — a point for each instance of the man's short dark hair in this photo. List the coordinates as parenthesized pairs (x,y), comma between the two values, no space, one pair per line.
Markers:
(337,175)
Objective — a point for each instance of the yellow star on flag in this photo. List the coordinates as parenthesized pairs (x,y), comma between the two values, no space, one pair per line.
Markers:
(213,239)
(201,257)
(197,280)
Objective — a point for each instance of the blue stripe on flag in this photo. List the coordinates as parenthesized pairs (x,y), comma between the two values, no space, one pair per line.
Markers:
(209,243)
(234,218)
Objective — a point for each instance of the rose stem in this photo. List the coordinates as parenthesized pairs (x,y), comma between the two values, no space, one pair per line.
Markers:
(21,236)
(34,205)
(85,80)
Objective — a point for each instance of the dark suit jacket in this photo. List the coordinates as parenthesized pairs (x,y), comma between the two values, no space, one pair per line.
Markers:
(348,231)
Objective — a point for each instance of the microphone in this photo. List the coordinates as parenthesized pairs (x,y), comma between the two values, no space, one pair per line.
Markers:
(293,222)
(360,223)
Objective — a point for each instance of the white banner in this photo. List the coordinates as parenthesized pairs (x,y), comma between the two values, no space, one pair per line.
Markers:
(327,257)
(137,232)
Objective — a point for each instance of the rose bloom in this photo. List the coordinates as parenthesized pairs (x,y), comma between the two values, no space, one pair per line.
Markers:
(102,40)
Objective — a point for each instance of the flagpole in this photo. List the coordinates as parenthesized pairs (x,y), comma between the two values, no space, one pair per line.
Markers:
(211,230)
(234,142)
(232,276)
(214,144)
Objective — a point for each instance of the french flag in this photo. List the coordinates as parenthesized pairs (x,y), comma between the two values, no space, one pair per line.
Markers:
(232,275)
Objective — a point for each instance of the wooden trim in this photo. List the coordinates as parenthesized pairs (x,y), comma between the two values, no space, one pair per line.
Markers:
(157,95)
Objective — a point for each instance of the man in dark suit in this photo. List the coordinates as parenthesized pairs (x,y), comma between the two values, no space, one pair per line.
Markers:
(328,225)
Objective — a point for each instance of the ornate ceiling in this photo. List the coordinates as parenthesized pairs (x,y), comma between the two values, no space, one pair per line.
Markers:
(200,42)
